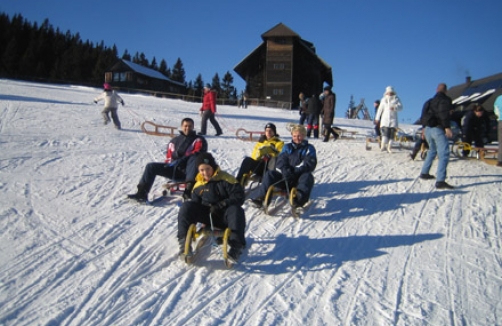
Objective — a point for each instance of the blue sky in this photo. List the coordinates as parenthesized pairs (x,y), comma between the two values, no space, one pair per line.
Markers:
(409,44)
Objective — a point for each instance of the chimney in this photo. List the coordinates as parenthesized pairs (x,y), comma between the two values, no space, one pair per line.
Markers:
(468,79)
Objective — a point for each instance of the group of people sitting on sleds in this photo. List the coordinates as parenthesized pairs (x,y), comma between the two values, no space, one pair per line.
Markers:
(214,195)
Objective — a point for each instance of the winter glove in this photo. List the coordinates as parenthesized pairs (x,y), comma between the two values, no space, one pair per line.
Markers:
(298,170)
(123,104)
(288,172)
(95,102)
(218,207)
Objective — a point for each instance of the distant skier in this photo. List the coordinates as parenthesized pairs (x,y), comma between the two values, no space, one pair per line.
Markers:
(111,99)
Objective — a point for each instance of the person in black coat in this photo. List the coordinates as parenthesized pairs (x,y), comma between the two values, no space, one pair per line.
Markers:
(314,107)
(218,195)
(182,151)
(475,126)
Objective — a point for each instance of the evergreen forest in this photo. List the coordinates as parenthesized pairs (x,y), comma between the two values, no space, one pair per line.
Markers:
(41,53)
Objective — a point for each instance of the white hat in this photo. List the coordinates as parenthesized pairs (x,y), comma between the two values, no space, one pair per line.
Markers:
(389,89)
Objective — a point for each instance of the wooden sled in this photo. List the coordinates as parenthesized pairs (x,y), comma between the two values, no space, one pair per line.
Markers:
(344,133)
(370,140)
(487,155)
(154,129)
(246,135)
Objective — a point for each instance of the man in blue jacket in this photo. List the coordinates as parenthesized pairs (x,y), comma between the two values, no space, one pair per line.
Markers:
(296,162)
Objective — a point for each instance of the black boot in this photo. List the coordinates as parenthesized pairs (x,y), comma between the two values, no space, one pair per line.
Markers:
(181,244)
(316,133)
(187,194)
(141,195)
(309,131)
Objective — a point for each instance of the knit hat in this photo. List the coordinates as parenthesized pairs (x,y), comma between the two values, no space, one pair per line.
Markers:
(271,126)
(206,158)
(327,88)
(389,89)
(207,86)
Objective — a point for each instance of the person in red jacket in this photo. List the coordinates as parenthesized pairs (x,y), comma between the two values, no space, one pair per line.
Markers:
(208,110)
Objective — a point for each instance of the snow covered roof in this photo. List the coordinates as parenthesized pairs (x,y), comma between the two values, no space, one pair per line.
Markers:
(149,72)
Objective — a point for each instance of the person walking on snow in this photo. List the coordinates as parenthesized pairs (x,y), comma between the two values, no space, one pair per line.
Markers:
(208,110)
(386,116)
(111,99)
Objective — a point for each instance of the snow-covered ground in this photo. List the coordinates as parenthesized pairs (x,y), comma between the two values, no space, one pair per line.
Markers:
(377,246)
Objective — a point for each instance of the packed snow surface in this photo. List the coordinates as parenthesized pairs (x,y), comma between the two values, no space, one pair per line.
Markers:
(375,246)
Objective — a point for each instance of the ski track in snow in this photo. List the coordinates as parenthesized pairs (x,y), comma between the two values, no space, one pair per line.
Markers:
(376,245)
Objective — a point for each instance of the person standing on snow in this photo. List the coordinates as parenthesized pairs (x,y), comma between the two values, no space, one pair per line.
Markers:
(328,113)
(386,116)
(111,99)
(208,110)
(497,108)
(436,122)
(314,107)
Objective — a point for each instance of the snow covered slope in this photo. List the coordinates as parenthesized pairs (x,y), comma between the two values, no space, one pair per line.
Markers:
(377,246)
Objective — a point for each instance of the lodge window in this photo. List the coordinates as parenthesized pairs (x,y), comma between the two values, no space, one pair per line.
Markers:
(278,66)
(121,76)
(278,91)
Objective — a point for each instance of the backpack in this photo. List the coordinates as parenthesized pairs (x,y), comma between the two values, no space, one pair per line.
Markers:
(428,118)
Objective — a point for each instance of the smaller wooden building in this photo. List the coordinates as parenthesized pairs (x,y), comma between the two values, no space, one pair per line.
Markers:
(482,91)
(282,66)
(127,74)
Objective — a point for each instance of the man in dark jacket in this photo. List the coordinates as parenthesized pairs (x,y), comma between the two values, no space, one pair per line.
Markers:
(296,162)
(436,122)
(180,161)
(219,195)
(328,113)
(313,111)
(475,127)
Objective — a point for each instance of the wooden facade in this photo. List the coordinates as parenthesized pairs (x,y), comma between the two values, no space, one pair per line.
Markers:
(126,74)
(282,66)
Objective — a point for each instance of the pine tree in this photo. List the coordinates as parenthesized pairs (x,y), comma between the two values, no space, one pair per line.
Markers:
(227,85)
(216,84)
(198,86)
(126,55)
(163,68)
(178,72)
(153,64)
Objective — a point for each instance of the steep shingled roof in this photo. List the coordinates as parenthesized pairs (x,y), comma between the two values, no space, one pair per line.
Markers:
(279,30)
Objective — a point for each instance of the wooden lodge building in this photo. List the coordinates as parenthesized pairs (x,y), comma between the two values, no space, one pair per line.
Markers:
(482,91)
(128,75)
(281,67)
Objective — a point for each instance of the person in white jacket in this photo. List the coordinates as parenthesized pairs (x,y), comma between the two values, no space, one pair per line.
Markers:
(386,115)
(111,99)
